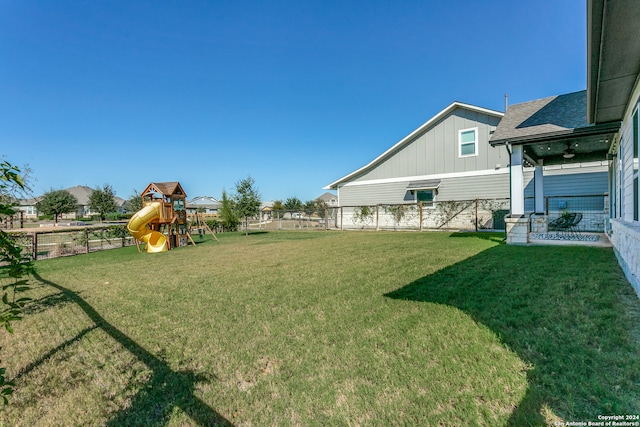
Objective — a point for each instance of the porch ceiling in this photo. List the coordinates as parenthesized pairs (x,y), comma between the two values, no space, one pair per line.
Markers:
(586,146)
(613,57)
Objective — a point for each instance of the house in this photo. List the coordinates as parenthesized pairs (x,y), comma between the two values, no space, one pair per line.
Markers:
(82,193)
(28,206)
(449,159)
(446,158)
(610,132)
(266,210)
(557,144)
(329,199)
(204,204)
(613,96)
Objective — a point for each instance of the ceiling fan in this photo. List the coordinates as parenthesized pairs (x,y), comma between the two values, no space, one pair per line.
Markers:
(568,153)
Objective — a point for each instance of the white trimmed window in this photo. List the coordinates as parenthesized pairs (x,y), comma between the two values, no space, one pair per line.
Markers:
(468,142)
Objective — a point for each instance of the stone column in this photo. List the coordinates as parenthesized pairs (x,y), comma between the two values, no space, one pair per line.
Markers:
(517,230)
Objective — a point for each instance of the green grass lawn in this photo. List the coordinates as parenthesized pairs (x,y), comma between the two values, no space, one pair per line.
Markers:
(327,328)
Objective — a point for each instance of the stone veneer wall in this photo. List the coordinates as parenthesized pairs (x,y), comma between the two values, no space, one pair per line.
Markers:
(517,230)
(626,242)
(539,224)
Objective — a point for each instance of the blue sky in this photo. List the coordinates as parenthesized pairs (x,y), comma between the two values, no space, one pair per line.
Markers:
(295,94)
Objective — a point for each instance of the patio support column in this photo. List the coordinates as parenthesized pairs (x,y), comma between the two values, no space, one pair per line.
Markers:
(517,181)
(517,225)
(539,218)
(538,184)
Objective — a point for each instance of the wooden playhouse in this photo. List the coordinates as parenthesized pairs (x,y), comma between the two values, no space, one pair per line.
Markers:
(162,222)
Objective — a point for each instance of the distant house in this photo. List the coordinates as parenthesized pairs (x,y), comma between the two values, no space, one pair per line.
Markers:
(28,206)
(204,204)
(266,210)
(329,199)
(81,192)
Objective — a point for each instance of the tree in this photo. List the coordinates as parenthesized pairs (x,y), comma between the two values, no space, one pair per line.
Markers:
(247,200)
(310,206)
(134,202)
(228,217)
(321,207)
(102,201)
(278,206)
(16,267)
(12,183)
(293,204)
(56,203)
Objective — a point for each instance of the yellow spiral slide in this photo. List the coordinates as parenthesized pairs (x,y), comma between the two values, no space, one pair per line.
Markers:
(137,226)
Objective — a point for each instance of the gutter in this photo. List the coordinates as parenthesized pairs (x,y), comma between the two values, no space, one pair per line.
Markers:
(564,134)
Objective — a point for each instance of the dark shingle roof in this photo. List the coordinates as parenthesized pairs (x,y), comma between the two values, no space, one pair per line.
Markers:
(543,116)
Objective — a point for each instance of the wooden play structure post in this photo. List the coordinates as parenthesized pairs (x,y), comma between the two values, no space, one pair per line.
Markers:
(200,224)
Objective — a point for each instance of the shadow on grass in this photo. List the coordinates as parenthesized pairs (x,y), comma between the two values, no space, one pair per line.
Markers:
(44,303)
(494,236)
(566,311)
(254,232)
(165,390)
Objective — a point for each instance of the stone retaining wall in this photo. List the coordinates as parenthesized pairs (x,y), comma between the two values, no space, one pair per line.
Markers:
(626,241)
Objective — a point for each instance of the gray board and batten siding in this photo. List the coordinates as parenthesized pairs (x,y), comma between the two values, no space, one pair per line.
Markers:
(432,152)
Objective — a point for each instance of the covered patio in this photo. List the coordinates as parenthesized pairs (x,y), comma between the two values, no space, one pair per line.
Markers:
(549,132)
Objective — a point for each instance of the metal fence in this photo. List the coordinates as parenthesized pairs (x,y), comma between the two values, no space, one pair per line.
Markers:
(16,220)
(476,214)
(466,214)
(41,244)
(442,215)
(594,209)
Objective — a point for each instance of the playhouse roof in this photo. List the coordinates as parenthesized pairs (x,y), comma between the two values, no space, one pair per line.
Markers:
(165,188)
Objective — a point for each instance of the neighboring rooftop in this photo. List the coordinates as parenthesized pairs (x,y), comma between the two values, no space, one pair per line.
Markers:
(328,198)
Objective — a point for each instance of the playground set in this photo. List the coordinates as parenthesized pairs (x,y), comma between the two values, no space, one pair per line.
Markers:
(162,223)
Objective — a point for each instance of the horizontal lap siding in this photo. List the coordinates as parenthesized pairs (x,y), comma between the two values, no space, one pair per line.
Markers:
(462,188)
(570,182)
(360,195)
(566,182)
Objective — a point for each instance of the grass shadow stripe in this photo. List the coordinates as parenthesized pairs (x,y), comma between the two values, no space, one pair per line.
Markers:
(166,388)
(33,365)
